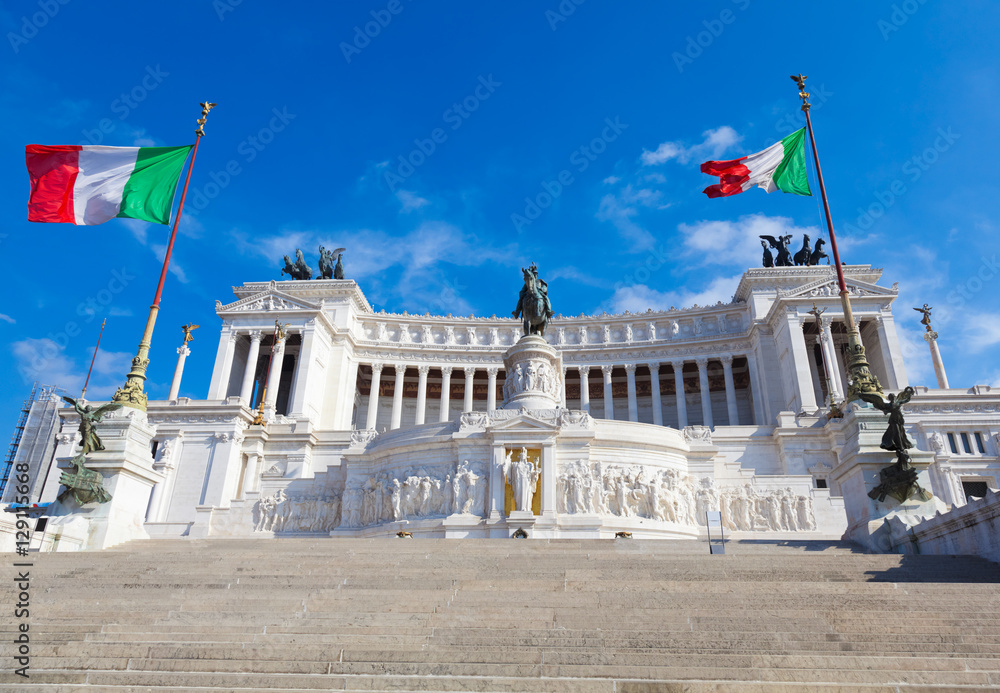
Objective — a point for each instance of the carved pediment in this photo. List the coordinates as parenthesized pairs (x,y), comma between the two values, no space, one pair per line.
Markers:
(828,287)
(266,301)
(525,420)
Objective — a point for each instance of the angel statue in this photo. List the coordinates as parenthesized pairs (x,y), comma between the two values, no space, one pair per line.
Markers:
(895,438)
(188,329)
(926,312)
(784,258)
(88,418)
(326,263)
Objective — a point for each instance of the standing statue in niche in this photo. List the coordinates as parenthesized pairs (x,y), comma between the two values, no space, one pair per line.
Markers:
(898,480)
(533,303)
(523,477)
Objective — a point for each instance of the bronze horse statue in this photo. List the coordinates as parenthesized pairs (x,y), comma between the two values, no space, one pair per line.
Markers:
(533,305)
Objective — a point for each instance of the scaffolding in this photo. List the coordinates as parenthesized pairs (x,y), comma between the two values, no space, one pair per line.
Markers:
(37,393)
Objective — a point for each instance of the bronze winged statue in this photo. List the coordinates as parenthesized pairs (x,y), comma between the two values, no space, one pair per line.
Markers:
(895,438)
(89,440)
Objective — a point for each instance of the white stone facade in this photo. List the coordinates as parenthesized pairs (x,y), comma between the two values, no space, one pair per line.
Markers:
(379,423)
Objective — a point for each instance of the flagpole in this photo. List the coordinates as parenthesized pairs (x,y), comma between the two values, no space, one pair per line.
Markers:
(93,358)
(860,377)
(131,393)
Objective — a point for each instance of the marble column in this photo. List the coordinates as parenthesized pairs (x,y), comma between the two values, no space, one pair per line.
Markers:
(373,396)
(801,373)
(706,396)
(585,388)
(942,378)
(277,361)
(654,381)
(470,376)
(633,404)
(830,362)
(562,388)
(609,405)
(422,371)
(727,371)
(760,414)
(246,390)
(397,397)
(682,412)
(175,384)
(445,393)
(220,378)
(303,364)
(491,394)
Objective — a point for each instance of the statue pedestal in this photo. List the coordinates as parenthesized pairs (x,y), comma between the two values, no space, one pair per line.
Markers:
(127,467)
(879,526)
(521,519)
(534,375)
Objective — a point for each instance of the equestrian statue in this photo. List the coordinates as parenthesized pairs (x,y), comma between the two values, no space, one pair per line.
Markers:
(533,305)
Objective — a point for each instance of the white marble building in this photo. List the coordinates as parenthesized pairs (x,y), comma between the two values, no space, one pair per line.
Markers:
(380,423)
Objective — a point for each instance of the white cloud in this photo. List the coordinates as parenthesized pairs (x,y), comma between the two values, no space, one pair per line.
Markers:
(916,356)
(611,180)
(639,298)
(981,331)
(7,318)
(411,270)
(738,242)
(45,361)
(715,143)
(410,201)
(175,269)
(622,207)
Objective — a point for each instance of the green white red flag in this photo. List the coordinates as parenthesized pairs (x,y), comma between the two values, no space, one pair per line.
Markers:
(87,185)
(782,166)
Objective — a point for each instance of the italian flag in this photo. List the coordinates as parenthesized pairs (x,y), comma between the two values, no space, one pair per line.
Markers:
(782,166)
(87,185)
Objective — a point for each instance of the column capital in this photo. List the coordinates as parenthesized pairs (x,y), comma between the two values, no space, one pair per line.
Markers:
(446,370)
(584,371)
(678,365)
(727,360)
(377,368)
(470,371)
(182,350)
(654,367)
(423,369)
(630,368)
(492,371)
(702,362)
(400,369)
(233,336)
(607,369)
(930,336)
(255,335)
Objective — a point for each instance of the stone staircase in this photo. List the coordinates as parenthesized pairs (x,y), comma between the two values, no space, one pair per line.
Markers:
(622,616)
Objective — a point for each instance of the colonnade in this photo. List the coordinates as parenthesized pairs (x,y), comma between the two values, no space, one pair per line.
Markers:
(398,371)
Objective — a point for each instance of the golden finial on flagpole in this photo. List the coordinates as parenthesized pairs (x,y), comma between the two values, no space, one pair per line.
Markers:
(800,79)
(206,106)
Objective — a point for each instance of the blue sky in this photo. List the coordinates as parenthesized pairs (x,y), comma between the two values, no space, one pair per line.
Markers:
(607,107)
